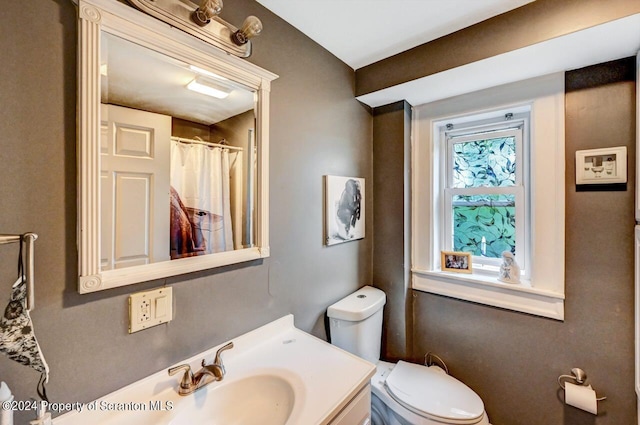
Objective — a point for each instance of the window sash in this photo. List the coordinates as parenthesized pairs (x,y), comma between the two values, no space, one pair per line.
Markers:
(520,210)
(472,133)
(485,134)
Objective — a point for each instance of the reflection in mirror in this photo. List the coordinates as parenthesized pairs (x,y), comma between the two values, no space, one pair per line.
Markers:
(173,151)
(177,155)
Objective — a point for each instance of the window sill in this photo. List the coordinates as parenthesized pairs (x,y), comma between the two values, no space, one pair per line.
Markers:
(487,290)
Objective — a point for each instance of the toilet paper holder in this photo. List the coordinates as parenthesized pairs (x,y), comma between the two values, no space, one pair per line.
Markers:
(578,376)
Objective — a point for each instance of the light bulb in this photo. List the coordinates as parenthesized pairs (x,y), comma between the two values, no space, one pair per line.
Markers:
(207,10)
(250,28)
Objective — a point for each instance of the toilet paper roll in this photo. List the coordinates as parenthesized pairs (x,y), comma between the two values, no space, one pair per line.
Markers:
(582,397)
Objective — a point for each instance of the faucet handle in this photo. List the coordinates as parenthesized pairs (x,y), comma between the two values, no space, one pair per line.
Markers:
(187,379)
(217,371)
(218,360)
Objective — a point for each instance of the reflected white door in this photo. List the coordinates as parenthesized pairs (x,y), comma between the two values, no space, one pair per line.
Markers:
(135,157)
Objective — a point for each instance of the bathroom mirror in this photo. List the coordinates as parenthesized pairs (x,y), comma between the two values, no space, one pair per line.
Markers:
(172,151)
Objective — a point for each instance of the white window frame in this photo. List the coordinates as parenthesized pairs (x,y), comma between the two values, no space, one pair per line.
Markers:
(504,125)
(541,291)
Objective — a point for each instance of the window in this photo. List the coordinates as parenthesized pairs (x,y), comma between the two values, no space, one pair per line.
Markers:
(485,191)
(487,177)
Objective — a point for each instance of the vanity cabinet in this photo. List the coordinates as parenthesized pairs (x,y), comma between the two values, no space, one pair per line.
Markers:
(358,411)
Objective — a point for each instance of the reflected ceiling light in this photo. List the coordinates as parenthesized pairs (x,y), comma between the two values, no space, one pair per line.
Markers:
(207,73)
(209,87)
(207,10)
(250,28)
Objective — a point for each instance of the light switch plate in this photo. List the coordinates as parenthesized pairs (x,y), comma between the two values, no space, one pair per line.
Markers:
(150,308)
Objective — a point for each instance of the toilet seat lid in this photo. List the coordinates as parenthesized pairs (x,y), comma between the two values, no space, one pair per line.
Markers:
(430,392)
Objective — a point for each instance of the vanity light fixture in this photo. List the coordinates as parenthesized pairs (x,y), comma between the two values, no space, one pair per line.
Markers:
(251,27)
(207,10)
(209,87)
(204,23)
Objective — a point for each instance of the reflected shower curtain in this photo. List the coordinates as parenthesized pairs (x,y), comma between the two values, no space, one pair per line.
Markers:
(200,205)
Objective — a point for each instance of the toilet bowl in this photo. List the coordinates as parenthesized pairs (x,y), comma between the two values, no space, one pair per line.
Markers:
(411,394)
(402,393)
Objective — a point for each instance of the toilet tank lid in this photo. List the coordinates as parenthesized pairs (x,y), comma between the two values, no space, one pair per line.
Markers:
(358,306)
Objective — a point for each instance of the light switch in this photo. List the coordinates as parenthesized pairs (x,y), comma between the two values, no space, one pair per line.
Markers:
(150,308)
(161,307)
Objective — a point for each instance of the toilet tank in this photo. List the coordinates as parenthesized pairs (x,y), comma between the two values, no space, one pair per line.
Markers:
(355,323)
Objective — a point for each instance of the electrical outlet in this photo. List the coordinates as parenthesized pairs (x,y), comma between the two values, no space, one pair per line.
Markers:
(150,308)
(144,315)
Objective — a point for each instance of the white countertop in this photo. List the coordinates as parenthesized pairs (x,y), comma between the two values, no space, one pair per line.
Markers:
(324,377)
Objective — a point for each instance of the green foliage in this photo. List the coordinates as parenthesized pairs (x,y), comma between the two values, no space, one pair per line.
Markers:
(485,163)
(495,223)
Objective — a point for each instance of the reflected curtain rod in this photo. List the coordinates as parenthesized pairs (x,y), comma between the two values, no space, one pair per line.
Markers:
(202,142)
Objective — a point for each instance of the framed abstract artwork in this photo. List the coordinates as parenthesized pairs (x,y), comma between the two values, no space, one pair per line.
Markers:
(344,209)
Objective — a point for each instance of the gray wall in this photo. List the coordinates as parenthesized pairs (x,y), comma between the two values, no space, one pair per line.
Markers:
(391,213)
(317,128)
(513,360)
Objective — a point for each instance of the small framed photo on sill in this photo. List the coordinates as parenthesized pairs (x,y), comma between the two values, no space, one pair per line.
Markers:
(601,166)
(457,262)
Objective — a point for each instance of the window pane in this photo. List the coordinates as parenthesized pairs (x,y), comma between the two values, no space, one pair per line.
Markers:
(484,225)
(485,163)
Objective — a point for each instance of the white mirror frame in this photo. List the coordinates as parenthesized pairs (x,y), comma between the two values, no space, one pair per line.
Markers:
(124,21)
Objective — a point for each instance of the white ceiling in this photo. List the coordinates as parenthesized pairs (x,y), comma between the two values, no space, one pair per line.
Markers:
(360,32)
(613,40)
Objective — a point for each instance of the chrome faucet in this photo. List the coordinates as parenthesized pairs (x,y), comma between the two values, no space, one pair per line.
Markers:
(209,373)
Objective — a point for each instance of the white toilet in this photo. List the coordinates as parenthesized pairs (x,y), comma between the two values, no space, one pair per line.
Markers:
(402,393)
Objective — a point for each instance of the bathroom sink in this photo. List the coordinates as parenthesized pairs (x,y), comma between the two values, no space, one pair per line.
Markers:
(264,399)
(275,375)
